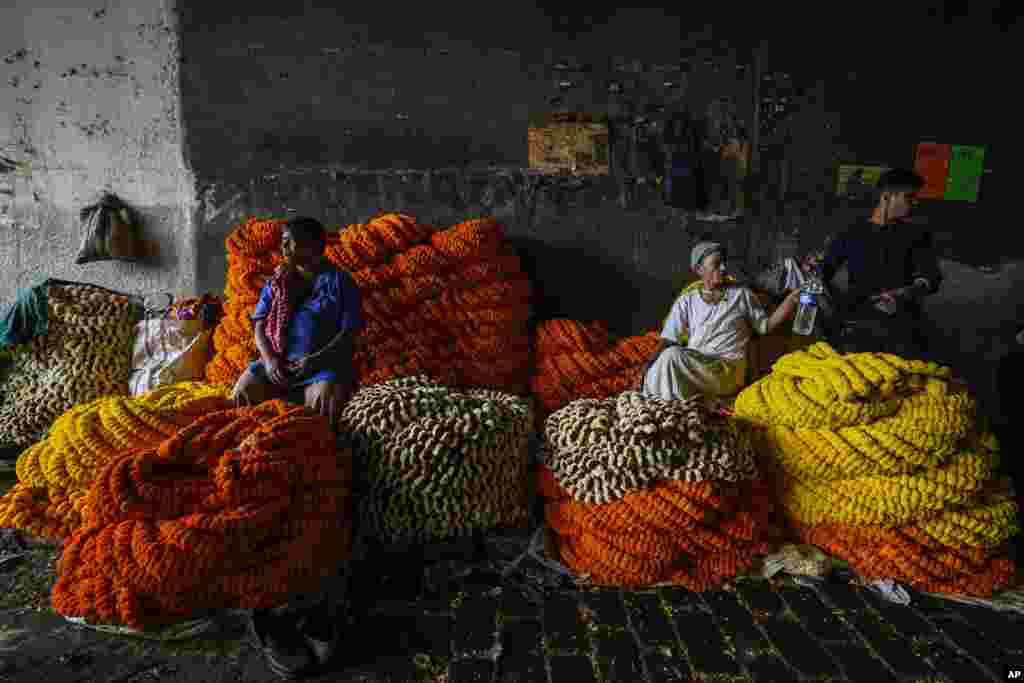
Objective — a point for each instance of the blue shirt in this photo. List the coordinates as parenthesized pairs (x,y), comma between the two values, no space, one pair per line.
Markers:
(331,307)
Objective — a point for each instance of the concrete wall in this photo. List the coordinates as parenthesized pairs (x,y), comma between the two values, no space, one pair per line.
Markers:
(89,100)
(345,114)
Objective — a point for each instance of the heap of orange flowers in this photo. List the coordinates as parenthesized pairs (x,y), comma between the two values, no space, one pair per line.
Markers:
(641,491)
(450,304)
(242,509)
(580,360)
(914,556)
(695,535)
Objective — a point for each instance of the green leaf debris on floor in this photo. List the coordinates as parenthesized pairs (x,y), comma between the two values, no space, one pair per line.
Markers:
(29,582)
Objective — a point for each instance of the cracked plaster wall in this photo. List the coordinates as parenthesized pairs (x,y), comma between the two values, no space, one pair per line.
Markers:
(89,101)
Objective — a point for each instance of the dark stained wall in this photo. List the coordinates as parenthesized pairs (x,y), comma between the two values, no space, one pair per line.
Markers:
(343,113)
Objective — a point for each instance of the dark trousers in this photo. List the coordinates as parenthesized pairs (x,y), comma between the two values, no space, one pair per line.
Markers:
(868,330)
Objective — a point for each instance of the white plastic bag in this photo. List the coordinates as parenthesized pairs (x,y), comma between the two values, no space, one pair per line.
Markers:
(797,560)
(780,276)
(890,590)
(168,352)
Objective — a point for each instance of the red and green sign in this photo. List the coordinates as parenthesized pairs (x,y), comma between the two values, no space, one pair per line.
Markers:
(951,172)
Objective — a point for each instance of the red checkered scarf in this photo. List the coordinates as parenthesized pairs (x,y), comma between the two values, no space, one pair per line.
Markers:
(287,285)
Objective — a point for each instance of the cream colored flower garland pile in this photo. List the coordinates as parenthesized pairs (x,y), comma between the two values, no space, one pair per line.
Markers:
(85,354)
(438,462)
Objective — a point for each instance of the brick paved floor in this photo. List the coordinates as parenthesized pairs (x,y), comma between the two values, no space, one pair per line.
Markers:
(421,618)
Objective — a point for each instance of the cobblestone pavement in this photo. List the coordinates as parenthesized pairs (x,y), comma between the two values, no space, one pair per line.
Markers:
(434,615)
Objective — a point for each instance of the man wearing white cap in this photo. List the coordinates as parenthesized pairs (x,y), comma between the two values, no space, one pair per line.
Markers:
(718,319)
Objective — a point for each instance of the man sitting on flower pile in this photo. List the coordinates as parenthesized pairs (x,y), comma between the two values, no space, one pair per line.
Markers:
(305,321)
(718,318)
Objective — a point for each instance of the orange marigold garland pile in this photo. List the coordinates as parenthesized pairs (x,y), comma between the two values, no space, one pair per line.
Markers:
(882,462)
(642,491)
(450,304)
(241,509)
(54,474)
(580,360)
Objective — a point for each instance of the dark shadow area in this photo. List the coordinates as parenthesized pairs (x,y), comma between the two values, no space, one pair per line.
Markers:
(581,281)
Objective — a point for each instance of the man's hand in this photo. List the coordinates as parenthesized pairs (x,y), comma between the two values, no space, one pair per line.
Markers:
(783,312)
(276,371)
(790,303)
(328,398)
(298,368)
(890,296)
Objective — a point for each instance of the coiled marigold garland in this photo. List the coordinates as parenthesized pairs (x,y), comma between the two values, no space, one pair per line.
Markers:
(86,353)
(241,509)
(878,450)
(455,302)
(438,462)
(580,360)
(642,491)
(54,474)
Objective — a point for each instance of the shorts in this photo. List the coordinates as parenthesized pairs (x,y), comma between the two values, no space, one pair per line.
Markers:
(257,368)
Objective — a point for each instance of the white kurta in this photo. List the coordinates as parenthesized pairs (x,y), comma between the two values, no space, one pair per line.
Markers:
(715,359)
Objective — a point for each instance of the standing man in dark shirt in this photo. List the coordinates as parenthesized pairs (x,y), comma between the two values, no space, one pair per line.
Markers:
(892,267)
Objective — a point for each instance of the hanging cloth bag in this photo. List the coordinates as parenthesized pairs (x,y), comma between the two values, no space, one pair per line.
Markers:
(111,232)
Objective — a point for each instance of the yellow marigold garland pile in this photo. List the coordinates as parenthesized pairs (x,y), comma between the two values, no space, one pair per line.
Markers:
(873,447)
(576,360)
(241,509)
(643,491)
(55,474)
(450,304)
(86,353)
(437,462)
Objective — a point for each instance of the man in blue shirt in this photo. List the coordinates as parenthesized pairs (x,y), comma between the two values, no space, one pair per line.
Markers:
(892,267)
(315,366)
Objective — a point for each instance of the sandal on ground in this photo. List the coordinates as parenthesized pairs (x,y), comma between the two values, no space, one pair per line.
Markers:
(287,652)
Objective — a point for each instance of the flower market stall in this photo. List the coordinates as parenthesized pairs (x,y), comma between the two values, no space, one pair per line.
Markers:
(173,504)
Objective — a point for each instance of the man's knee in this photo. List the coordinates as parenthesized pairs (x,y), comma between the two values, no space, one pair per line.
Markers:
(671,354)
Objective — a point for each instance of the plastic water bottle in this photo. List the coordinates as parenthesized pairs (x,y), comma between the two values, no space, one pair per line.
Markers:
(803,323)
